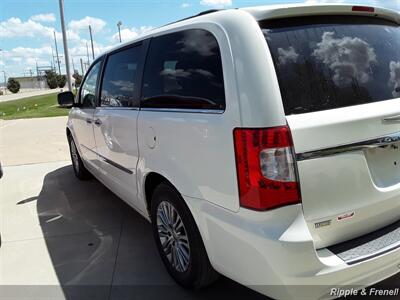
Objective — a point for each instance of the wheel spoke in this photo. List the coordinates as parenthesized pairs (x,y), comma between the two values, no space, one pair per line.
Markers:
(180,258)
(178,224)
(162,232)
(165,210)
(184,241)
(174,258)
(167,245)
(183,254)
(162,217)
(74,155)
(170,216)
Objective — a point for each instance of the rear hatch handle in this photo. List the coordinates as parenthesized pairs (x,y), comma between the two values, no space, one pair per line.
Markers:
(381,141)
(391,119)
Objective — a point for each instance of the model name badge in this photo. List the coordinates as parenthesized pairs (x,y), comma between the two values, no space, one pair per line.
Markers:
(345,216)
(323,224)
(390,139)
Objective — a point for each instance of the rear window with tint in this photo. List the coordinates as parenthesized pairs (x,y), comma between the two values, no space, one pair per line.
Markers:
(334,61)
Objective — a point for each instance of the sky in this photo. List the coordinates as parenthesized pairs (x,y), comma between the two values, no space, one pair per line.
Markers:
(27,26)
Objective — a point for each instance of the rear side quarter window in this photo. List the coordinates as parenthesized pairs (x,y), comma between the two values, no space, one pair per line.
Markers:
(184,71)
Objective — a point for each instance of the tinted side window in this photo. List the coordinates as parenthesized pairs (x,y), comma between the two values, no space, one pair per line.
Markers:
(88,90)
(120,80)
(184,70)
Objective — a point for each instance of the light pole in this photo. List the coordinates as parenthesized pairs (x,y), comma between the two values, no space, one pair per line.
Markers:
(73,66)
(64,33)
(58,58)
(5,82)
(4,72)
(82,66)
(91,40)
(87,53)
(119,30)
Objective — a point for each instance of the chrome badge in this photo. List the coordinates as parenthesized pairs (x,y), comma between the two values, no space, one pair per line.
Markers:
(323,223)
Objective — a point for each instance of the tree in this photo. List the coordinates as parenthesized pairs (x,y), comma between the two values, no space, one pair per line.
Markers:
(51,78)
(78,79)
(61,80)
(13,85)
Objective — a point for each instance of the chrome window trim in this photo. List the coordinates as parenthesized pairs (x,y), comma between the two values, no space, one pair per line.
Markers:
(381,141)
(117,108)
(185,110)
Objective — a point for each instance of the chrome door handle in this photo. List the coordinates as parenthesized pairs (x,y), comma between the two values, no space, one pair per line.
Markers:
(89,121)
(392,119)
(98,122)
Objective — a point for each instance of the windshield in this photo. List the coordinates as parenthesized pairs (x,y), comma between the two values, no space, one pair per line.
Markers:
(334,61)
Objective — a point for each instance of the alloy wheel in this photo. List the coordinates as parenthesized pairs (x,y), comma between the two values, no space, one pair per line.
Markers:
(173,236)
(74,155)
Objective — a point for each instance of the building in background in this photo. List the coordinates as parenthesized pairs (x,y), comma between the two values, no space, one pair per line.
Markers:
(32,82)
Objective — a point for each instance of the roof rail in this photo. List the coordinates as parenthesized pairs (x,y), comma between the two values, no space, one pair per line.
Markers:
(209,11)
(206,12)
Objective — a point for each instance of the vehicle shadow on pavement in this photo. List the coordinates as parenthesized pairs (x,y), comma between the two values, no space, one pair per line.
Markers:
(100,248)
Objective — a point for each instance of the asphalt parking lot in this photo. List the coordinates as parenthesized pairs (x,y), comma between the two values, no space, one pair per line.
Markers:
(67,239)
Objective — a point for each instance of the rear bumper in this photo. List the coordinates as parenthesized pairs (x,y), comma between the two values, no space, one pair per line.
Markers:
(273,253)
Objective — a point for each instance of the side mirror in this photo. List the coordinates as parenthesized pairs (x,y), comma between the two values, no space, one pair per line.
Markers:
(65,99)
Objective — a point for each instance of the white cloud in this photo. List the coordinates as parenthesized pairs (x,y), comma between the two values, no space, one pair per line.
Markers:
(287,55)
(395,77)
(14,27)
(349,58)
(27,52)
(83,24)
(131,33)
(44,17)
(19,59)
(14,61)
(185,5)
(72,35)
(216,3)
(79,49)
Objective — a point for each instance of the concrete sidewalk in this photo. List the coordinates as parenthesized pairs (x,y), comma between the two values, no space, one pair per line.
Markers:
(29,141)
(68,239)
(73,237)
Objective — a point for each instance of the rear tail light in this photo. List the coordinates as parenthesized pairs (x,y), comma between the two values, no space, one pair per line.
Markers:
(363,8)
(266,168)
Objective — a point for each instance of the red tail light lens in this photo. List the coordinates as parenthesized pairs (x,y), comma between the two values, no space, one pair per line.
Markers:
(266,168)
(363,8)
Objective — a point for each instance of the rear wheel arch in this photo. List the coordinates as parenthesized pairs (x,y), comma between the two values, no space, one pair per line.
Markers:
(153,180)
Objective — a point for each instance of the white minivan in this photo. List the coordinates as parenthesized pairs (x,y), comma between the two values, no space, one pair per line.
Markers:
(262,144)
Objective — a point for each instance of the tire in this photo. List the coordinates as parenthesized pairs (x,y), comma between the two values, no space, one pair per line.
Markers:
(79,168)
(196,271)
